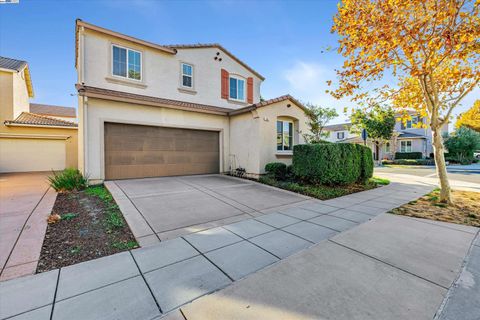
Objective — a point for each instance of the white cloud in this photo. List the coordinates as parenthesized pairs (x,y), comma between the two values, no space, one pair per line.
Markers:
(307,82)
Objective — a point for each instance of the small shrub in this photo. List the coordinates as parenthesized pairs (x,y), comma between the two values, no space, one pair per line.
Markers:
(332,164)
(69,179)
(380,181)
(408,155)
(276,169)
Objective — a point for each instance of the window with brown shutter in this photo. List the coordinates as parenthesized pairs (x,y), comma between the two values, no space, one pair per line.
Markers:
(250,90)
(224,82)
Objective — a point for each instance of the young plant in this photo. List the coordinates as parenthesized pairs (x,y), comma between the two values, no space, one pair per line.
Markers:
(67,180)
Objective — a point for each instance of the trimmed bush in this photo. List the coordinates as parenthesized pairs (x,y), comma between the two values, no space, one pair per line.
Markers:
(276,169)
(408,155)
(332,164)
(68,180)
(410,162)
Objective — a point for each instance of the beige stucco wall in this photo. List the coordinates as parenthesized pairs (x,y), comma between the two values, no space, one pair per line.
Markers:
(245,142)
(99,111)
(160,71)
(253,136)
(21,102)
(6,96)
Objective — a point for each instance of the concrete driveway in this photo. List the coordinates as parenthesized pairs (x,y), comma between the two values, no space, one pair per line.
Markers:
(25,203)
(164,208)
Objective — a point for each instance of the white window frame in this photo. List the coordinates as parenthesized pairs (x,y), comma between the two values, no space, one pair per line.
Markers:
(387,147)
(404,148)
(343,135)
(411,122)
(182,74)
(293,136)
(128,49)
(237,78)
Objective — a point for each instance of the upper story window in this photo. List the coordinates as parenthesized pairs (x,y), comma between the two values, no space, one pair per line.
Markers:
(406,146)
(237,89)
(410,123)
(187,75)
(340,135)
(127,63)
(284,135)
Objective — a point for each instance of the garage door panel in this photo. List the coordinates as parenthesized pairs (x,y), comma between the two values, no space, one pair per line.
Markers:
(22,155)
(135,151)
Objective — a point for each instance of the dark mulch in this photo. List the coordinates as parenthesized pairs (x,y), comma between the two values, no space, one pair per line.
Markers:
(92,226)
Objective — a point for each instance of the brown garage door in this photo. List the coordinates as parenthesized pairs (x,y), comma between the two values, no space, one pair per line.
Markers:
(135,151)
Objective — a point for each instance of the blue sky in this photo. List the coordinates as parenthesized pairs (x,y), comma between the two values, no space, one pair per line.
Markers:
(285,41)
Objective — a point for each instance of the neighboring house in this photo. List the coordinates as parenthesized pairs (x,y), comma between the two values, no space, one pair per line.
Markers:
(33,137)
(147,110)
(407,137)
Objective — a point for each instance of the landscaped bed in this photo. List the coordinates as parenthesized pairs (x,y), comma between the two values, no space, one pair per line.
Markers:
(84,225)
(323,192)
(465,209)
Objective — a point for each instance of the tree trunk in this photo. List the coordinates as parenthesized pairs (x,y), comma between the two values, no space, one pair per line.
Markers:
(441,167)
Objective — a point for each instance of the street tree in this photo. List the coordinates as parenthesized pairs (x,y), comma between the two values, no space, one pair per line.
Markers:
(430,48)
(318,118)
(470,118)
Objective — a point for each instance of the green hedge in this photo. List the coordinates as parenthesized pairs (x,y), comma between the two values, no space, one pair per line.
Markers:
(410,162)
(277,169)
(332,164)
(408,155)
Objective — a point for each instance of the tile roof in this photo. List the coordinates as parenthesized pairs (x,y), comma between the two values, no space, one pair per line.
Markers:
(121,96)
(12,64)
(148,100)
(214,45)
(50,110)
(27,118)
(338,127)
(266,103)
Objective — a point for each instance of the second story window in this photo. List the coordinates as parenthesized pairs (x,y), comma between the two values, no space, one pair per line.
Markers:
(340,135)
(410,123)
(187,75)
(237,89)
(126,63)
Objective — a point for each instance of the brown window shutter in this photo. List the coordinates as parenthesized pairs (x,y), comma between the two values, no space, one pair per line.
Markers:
(224,84)
(250,90)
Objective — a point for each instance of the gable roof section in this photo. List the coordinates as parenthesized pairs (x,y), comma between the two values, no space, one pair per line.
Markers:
(267,103)
(14,65)
(410,135)
(30,119)
(172,49)
(218,46)
(121,96)
(338,127)
(50,110)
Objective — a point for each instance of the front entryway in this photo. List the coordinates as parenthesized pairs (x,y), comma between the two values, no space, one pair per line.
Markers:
(137,151)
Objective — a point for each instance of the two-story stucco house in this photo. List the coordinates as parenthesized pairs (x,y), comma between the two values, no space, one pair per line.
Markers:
(33,137)
(407,136)
(149,110)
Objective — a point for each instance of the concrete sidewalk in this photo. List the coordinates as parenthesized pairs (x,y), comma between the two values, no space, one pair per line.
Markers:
(25,203)
(386,260)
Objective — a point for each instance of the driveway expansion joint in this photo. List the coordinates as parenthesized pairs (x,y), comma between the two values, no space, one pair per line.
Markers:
(387,263)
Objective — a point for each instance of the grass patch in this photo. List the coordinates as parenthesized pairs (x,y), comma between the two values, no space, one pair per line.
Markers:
(69,216)
(101,192)
(380,181)
(318,191)
(128,245)
(464,210)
